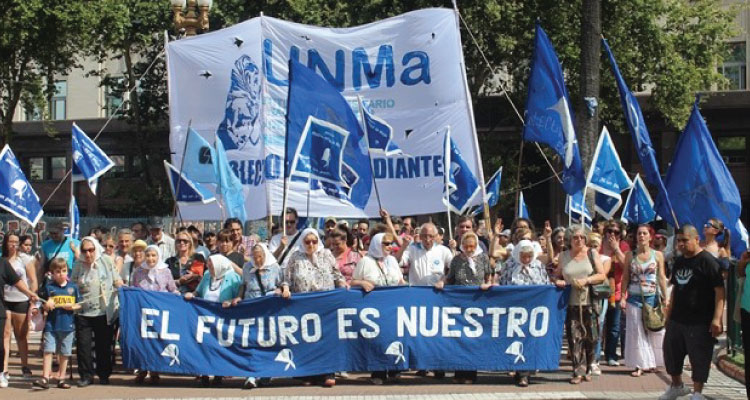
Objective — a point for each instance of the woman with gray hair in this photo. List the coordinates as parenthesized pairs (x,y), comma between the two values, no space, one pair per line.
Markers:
(581,268)
(523,268)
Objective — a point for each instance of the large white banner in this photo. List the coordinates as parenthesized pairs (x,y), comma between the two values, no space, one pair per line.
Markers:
(232,85)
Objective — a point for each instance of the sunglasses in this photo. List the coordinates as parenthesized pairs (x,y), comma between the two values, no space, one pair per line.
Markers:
(386,243)
(615,231)
(710,225)
(89,250)
(291,222)
(181,241)
(311,242)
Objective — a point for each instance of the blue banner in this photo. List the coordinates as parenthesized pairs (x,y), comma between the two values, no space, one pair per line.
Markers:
(392,328)
(460,183)
(379,133)
(576,207)
(74,230)
(523,211)
(16,194)
(89,161)
(232,191)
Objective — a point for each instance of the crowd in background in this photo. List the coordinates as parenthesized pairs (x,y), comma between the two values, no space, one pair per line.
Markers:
(617,275)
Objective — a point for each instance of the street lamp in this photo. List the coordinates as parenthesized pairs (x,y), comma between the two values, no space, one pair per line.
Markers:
(191,16)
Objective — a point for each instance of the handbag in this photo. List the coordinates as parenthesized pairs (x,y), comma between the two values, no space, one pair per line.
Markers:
(653,317)
(600,291)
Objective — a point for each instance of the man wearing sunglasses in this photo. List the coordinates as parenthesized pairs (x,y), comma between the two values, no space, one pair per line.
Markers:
(284,245)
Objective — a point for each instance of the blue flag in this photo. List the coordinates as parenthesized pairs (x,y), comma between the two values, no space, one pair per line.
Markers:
(639,207)
(230,186)
(89,161)
(312,96)
(198,160)
(16,194)
(740,240)
(189,191)
(523,211)
(460,183)
(698,182)
(493,188)
(607,176)
(549,116)
(576,207)
(74,231)
(379,133)
(638,130)
(319,153)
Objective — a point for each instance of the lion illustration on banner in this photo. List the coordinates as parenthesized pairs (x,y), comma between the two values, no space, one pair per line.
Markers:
(242,107)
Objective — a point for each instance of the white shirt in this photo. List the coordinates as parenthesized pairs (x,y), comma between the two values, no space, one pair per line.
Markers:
(368,270)
(275,242)
(19,266)
(212,295)
(426,267)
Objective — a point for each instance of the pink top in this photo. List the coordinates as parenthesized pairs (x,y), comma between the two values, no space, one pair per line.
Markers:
(347,262)
(162,281)
(616,271)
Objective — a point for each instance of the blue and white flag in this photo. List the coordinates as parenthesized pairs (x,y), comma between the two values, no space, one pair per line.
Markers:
(460,183)
(232,192)
(549,115)
(641,138)
(698,182)
(607,176)
(319,153)
(493,188)
(16,194)
(189,191)
(523,211)
(74,231)
(740,239)
(89,161)
(390,328)
(379,133)
(330,107)
(575,206)
(639,207)
(198,162)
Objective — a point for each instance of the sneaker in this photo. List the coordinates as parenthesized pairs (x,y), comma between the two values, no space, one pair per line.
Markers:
(3,380)
(250,383)
(697,396)
(595,370)
(613,363)
(674,392)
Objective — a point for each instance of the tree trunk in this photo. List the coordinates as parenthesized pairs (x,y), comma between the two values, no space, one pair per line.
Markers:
(136,113)
(587,123)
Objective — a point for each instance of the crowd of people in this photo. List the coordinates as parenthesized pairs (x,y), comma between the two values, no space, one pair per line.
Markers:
(619,278)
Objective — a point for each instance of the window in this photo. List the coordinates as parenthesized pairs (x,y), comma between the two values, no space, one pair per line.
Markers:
(118,170)
(733,149)
(735,67)
(57,104)
(114,92)
(58,167)
(36,168)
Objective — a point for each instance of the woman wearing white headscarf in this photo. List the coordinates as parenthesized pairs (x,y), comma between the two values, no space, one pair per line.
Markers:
(313,269)
(471,267)
(97,278)
(154,274)
(220,284)
(378,268)
(523,268)
(261,276)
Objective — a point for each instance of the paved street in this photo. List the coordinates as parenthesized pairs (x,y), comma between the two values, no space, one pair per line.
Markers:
(615,383)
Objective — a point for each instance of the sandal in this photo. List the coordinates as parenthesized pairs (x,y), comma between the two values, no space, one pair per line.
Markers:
(41,383)
(63,385)
(587,378)
(638,372)
(576,380)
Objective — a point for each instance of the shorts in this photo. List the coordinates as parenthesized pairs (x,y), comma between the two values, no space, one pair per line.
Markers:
(694,341)
(59,343)
(17,307)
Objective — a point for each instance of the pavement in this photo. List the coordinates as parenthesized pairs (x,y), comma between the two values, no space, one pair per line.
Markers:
(614,383)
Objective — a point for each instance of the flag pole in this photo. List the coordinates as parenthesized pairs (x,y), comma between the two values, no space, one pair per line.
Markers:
(369,155)
(176,209)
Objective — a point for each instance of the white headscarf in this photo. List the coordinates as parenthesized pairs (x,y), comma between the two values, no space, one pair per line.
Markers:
(159,263)
(221,264)
(98,249)
(477,251)
(516,253)
(304,234)
(268,257)
(376,247)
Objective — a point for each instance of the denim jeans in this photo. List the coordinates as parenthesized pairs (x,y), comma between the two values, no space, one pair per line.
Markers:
(602,318)
(613,333)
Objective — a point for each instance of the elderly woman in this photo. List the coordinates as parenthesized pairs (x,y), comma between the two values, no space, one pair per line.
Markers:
(186,265)
(17,302)
(221,284)
(261,276)
(138,256)
(97,279)
(644,279)
(471,267)
(313,269)
(378,268)
(580,267)
(153,275)
(523,268)
(340,240)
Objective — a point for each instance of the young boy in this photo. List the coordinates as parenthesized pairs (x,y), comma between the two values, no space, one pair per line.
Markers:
(61,298)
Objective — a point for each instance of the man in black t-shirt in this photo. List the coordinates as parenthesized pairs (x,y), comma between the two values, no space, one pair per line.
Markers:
(694,314)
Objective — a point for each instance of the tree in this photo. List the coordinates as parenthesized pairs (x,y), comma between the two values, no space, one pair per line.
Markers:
(39,40)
